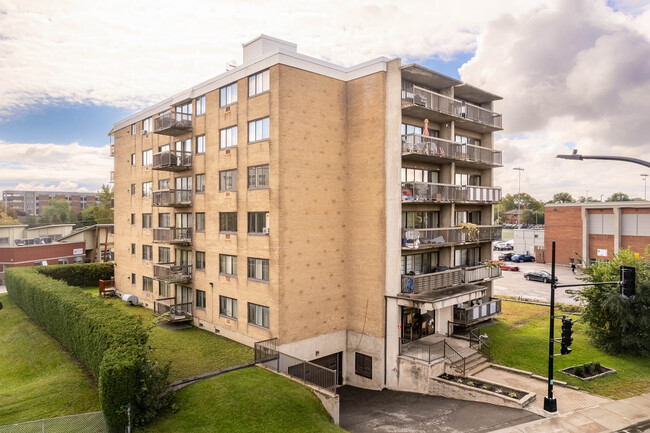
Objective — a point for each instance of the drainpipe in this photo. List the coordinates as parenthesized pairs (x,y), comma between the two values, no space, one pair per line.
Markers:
(385,337)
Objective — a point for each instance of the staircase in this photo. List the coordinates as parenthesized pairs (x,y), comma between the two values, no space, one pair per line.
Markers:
(471,362)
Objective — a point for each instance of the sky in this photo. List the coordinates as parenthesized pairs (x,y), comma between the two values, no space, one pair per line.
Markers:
(572,74)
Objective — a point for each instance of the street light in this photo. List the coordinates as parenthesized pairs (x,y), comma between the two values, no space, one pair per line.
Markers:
(645,184)
(579,157)
(519,169)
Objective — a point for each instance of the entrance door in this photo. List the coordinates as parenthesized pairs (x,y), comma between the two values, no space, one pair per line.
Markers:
(333,362)
(416,325)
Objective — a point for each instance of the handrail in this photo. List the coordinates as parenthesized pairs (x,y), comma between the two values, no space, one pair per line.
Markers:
(434,146)
(454,357)
(441,192)
(449,235)
(423,351)
(477,343)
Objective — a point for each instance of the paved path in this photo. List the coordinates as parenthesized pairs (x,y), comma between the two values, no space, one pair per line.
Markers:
(568,399)
(3,289)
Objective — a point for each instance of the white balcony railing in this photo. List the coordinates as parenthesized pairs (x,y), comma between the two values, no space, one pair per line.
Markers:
(440,192)
(437,147)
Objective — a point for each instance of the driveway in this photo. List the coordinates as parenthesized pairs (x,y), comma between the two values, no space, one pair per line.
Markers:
(365,411)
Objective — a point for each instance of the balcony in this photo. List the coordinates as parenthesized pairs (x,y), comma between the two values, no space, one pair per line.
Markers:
(173,235)
(112,150)
(111,179)
(172,273)
(441,193)
(424,283)
(439,237)
(172,160)
(173,124)
(175,312)
(173,198)
(421,148)
(468,315)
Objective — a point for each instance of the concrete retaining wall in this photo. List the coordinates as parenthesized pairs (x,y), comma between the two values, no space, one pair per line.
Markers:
(449,389)
(414,374)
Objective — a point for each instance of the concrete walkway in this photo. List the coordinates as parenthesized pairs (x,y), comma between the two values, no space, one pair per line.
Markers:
(3,289)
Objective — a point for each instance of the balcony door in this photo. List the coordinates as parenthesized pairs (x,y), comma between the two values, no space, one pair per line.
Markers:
(183,257)
(416,325)
(183,295)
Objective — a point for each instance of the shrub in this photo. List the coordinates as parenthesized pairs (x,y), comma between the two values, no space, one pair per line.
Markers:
(579,371)
(110,343)
(597,367)
(589,368)
(82,274)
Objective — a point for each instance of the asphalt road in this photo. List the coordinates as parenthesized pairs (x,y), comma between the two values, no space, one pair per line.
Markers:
(514,283)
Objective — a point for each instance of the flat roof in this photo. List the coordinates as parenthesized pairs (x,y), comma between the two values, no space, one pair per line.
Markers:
(603,204)
(50,225)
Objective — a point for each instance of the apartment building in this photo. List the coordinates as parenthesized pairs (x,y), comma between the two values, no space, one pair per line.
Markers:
(342,210)
(588,232)
(32,202)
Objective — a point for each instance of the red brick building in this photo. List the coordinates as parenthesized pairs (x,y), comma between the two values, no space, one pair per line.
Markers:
(595,231)
(32,202)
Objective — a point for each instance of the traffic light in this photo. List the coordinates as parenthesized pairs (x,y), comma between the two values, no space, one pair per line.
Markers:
(567,340)
(628,282)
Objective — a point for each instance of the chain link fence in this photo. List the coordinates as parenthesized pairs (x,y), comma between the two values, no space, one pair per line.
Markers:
(92,422)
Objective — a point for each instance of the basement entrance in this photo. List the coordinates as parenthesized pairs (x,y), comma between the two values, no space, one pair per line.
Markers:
(333,362)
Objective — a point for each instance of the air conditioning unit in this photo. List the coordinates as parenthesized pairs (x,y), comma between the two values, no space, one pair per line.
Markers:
(228,109)
(265,230)
(145,132)
(227,151)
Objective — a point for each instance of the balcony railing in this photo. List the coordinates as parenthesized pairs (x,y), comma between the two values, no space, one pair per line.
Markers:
(173,235)
(454,108)
(433,146)
(112,150)
(172,160)
(173,198)
(177,312)
(172,123)
(453,277)
(420,238)
(172,273)
(438,192)
(111,179)
(469,315)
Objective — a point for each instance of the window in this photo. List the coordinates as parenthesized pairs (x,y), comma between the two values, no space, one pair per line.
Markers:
(133,159)
(228,180)
(164,289)
(467,140)
(228,265)
(200,261)
(419,175)
(132,189)
(147,157)
(63,261)
(200,299)
(420,220)
(147,252)
(132,219)
(200,105)
(147,125)
(163,220)
(79,259)
(147,284)
(133,129)
(467,257)
(419,263)
(200,144)
(228,222)
(473,217)
(258,269)
(258,176)
(133,249)
(258,83)
(146,189)
(258,315)
(200,221)
(363,365)
(164,255)
(228,137)
(146,220)
(4,241)
(228,95)
(258,130)
(467,179)
(411,129)
(133,279)
(228,307)
(257,222)
(200,183)
(163,184)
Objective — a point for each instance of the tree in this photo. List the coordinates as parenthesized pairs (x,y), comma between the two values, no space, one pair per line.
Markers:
(619,196)
(532,217)
(511,201)
(100,213)
(6,220)
(583,199)
(562,197)
(58,211)
(619,325)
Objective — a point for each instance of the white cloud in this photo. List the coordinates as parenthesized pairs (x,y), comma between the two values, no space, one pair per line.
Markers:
(55,167)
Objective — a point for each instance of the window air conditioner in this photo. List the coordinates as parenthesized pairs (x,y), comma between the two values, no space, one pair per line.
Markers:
(265,230)
(144,132)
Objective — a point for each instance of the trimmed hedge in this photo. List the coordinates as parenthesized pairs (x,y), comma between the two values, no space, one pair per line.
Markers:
(82,274)
(110,343)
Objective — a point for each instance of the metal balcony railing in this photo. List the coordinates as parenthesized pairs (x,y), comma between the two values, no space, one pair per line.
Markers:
(173,235)
(172,273)
(453,277)
(112,150)
(419,238)
(111,179)
(437,147)
(474,274)
(172,160)
(469,315)
(173,198)
(176,312)
(172,123)
(439,192)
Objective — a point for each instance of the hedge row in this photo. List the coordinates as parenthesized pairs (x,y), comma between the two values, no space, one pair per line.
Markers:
(82,274)
(110,343)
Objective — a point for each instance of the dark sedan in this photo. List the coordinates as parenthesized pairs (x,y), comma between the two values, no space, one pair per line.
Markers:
(518,258)
(540,275)
(506,257)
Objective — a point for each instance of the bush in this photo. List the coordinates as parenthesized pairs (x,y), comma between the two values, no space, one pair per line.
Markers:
(597,367)
(110,343)
(82,274)
(579,371)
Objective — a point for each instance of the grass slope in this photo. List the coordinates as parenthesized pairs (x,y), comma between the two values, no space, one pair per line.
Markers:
(519,339)
(248,400)
(38,378)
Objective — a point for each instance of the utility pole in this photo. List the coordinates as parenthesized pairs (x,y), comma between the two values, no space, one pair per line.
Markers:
(645,184)
(519,169)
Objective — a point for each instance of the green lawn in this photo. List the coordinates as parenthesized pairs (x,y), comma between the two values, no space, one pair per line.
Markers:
(38,378)
(249,400)
(519,339)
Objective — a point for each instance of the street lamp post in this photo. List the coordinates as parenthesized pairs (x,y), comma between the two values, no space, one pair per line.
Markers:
(519,169)
(645,184)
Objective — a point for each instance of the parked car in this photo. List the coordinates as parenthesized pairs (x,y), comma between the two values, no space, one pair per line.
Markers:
(519,258)
(503,246)
(506,257)
(507,266)
(539,275)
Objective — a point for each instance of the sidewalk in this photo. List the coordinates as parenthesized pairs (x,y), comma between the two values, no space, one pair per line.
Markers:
(3,289)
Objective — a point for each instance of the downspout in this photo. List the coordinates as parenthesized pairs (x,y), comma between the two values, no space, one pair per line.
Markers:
(385,338)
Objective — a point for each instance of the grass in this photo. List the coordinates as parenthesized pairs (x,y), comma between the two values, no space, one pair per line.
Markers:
(38,378)
(519,339)
(248,400)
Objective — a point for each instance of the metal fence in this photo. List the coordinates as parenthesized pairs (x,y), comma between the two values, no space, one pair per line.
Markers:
(92,422)
(423,351)
(266,354)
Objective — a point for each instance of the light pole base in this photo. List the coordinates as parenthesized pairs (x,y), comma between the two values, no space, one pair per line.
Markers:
(550,404)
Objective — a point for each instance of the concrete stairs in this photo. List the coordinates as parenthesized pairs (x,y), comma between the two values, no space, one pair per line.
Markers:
(474,361)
